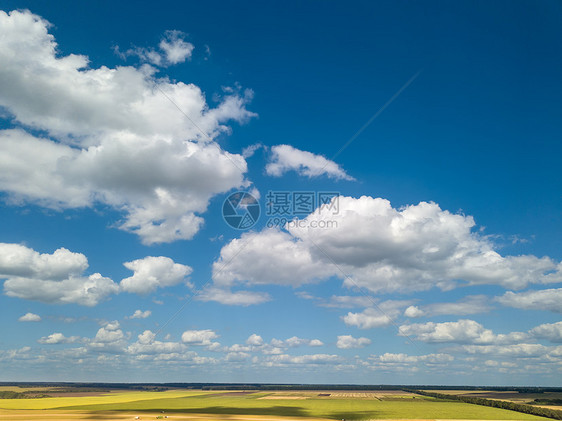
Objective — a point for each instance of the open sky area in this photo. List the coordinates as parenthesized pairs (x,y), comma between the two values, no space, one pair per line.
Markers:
(403,156)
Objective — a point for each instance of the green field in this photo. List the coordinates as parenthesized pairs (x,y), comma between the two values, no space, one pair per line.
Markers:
(274,404)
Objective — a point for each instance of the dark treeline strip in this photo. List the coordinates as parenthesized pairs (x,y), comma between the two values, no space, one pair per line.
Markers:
(8,394)
(526,409)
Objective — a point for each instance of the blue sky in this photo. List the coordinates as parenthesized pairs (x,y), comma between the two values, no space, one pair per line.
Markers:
(124,127)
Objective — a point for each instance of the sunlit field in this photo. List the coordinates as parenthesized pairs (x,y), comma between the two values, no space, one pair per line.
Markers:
(250,406)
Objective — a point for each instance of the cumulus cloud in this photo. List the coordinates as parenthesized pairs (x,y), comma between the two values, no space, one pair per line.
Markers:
(315,359)
(268,257)
(58,338)
(199,337)
(147,345)
(51,278)
(233,298)
(30,317)
(550,331)
(286,158)
(473,304)
(139,314)
(295,341)
(546,299)
(109,337)
(383,249)
(348,342)
(255,340)
(115,135)
(175,48)
(462,331)
(401,358)
(152,272)
(371,317)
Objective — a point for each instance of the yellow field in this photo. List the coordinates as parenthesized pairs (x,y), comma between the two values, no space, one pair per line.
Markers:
(198,405)
(108,398)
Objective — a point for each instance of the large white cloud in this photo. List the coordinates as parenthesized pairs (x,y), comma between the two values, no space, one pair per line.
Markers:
(132,148)
(550,331)
(152,272)
(286,158)
(51,278)
(462,331)
(545,299)
(383,314)
(268,257)
(383,249)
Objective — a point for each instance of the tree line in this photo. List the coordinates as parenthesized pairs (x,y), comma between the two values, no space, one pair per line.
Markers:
(526,409)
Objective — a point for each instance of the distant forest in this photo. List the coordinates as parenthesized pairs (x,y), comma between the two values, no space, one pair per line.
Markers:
(270,386)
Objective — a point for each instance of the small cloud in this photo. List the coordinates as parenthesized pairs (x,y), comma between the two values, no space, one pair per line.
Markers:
(413,311)
(233,298)
(30,317)
(176,49)
(58,338)
(173,49)
(348,342)
(138,314)
(249,151)
(286,158)
(255,340)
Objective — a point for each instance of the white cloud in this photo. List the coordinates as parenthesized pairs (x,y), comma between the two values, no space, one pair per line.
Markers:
(546,299)
(513,350)
(147,345)
(233,298)
(250,150)
(30,317)
(462,331)
(286,158)
(371,317)
(139,314)
(390,358)
(199,337)
(295,341)
(473,304)
(51,278)
(58,338)
(284,359)
(236,356)
(348,342)
(152,272)
(268,257)
(347,301)
(550,331)
(414,311)
(132,149)
(384,249)
(255,340)
(175,48)
(109,338)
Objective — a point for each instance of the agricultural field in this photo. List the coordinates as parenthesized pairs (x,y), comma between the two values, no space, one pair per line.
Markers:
(512,396)
(198,405)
